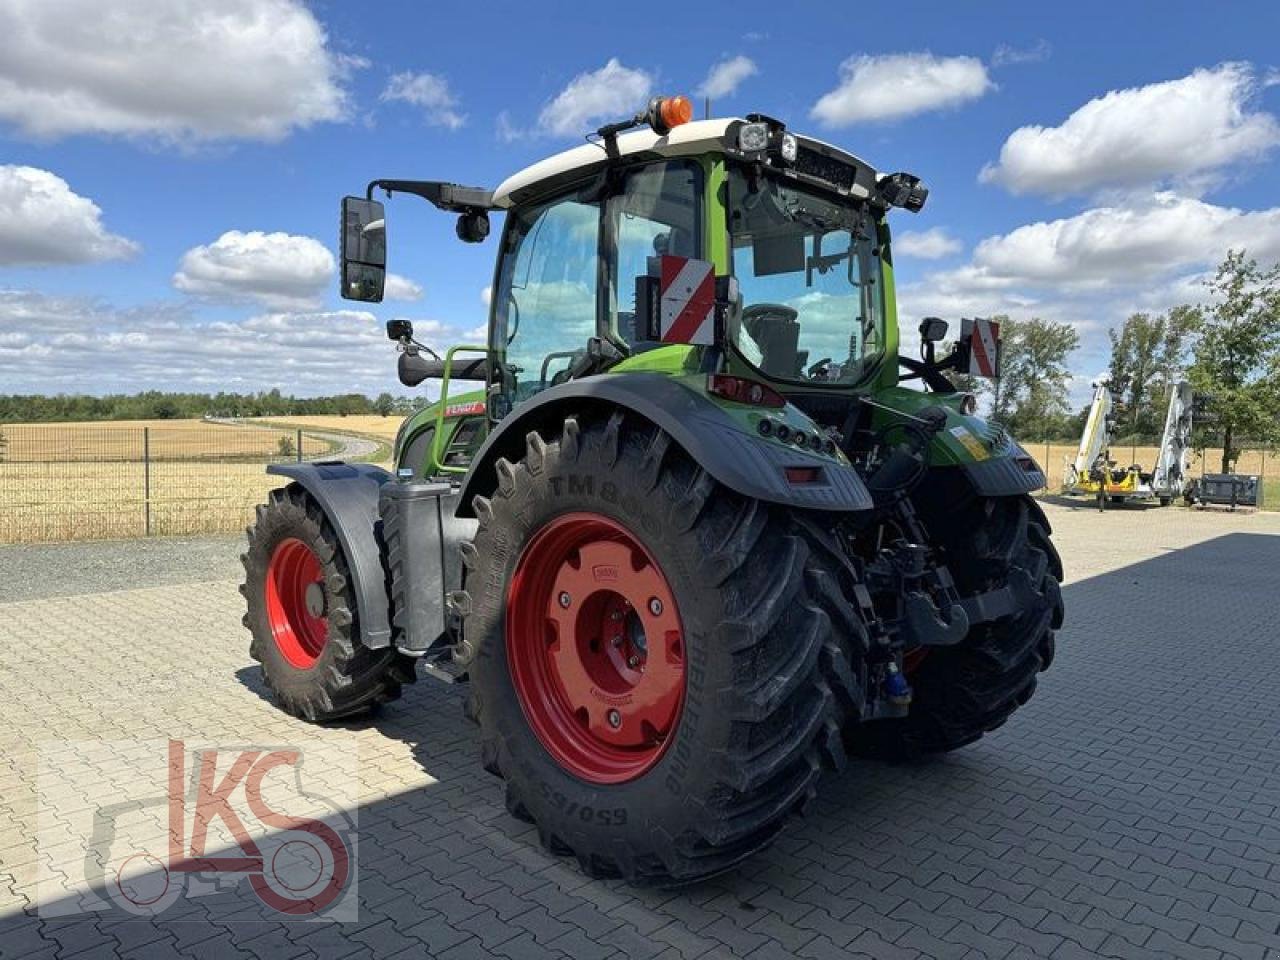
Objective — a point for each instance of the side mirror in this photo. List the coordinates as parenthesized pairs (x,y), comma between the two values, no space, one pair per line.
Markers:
(363,250)
(933,329)
(399,330)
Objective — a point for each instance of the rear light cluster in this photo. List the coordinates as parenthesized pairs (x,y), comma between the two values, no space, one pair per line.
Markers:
(743,390)
(756,394)
(805,441)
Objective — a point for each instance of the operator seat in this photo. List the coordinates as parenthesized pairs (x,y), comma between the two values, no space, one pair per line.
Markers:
(776,331)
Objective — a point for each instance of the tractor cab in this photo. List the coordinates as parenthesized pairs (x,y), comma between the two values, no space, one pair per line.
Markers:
(731,248)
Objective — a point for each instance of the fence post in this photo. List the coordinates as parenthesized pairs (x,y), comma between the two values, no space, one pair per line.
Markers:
(298,445)
(146,478)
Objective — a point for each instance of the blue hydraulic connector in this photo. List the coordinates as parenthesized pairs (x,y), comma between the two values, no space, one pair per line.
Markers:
(896,688)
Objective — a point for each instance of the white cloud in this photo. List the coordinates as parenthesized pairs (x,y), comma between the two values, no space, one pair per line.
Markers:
(931,244)
(1007,55)
(1141,135)
(401,288)
(1093,269)
(486,295)
(613,92)
(42,221)
(430,93)
(724,78)
(1127,244)
(898,85)
(279,270)
(505,130)
(173,70)
(163,346)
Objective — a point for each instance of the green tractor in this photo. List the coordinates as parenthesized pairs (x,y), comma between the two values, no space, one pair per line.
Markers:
(687,537)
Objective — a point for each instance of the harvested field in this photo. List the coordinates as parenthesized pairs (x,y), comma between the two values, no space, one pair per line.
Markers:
(89,481)
(383,428)
(1055,457)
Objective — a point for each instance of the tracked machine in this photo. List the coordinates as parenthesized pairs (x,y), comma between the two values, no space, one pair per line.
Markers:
(692,533)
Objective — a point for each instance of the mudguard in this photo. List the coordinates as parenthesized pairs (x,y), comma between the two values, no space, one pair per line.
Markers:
(742,461)
(348,494)
(1005,476)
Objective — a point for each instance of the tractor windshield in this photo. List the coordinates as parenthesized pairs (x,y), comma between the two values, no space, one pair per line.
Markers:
(805,263)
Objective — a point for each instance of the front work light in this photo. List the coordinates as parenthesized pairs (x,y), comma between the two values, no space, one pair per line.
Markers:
(753,137)
(789,149)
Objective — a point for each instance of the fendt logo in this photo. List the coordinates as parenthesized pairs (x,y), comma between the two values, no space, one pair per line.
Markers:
(230,823)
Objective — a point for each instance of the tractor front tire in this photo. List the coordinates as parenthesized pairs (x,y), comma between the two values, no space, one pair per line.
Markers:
(303,618)
(660,667)
(962,692)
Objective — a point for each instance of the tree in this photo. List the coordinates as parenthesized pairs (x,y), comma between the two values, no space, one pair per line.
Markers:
(1133,366)
(385,404)
(1148,354)
(286,447)
(1236,361)
(1031,395)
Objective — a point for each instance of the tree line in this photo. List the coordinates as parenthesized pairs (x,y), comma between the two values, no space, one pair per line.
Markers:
(1228,348)
(157,405)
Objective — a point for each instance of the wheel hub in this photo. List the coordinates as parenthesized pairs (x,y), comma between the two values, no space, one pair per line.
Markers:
(295,603)
(596,648)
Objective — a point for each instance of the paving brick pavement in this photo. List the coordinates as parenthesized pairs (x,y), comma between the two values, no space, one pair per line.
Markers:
(1129,811)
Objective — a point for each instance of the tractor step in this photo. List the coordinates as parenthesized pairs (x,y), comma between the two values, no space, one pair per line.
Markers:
(441,666)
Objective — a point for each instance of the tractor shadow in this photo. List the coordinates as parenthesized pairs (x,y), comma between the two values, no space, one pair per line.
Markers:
(1152,718)
(1132,663)
(1088,503)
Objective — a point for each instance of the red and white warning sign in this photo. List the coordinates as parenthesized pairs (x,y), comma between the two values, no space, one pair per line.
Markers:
(687,300)
(983,337)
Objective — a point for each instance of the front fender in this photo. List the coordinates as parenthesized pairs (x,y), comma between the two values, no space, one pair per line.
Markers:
(348,495)
(991,462)
(740,460)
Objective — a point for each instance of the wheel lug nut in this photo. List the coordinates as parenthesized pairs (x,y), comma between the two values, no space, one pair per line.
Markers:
(616,615)
(565,599)
(615,719)
(633,661)
(655,606)
(616,641)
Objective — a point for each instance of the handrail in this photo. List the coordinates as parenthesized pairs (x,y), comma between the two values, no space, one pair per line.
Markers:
(438,446)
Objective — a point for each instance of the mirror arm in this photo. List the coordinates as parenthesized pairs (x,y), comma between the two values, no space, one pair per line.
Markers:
(450,197)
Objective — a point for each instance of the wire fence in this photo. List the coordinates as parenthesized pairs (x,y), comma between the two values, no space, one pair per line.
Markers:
(1256,459)
(113,480)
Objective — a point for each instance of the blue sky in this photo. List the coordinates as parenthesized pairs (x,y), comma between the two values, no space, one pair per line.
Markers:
(169,176)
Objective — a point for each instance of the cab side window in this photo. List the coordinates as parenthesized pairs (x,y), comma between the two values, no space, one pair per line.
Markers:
(657,211)
(546,297)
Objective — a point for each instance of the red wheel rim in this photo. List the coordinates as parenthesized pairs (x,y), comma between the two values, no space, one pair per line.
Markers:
(596,648)
(295,603)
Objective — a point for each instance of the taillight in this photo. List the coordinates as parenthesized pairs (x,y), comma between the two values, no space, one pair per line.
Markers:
(802,475)
(742,390)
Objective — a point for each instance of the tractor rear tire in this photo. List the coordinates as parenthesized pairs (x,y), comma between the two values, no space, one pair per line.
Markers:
(962,692)
(303,618)
(607,550)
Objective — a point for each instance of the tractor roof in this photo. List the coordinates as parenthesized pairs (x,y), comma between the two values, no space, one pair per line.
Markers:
(689,139)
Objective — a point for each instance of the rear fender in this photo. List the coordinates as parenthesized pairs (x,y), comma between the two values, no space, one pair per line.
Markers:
(742,461)
(348,495)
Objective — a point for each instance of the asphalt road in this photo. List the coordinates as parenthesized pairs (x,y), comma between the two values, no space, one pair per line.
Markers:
(346,446)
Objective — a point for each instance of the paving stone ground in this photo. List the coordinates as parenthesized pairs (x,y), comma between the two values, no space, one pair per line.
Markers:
(1129,811)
